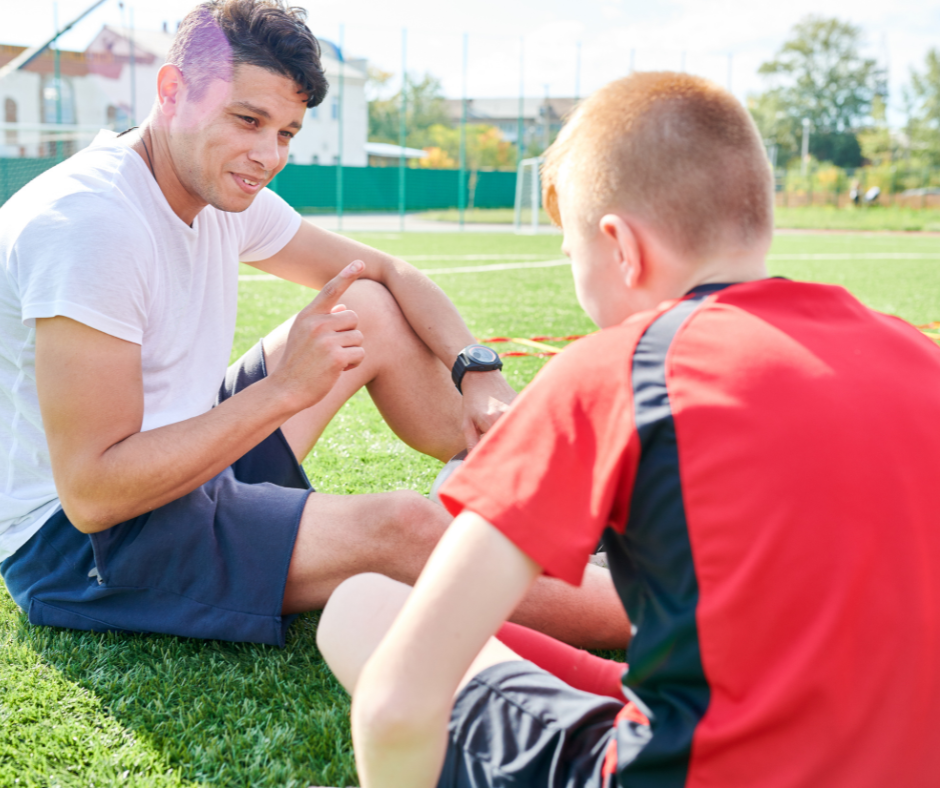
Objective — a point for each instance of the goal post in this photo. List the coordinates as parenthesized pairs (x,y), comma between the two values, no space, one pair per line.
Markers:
(528,196)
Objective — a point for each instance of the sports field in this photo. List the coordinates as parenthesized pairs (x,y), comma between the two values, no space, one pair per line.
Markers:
(102,710)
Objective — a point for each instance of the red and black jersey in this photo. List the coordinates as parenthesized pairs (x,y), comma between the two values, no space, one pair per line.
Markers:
(761,459)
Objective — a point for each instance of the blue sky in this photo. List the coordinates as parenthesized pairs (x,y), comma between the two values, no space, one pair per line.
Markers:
(707,36)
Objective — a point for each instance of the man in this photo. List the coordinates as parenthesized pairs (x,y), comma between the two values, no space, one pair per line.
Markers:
(752,450)
(130,502)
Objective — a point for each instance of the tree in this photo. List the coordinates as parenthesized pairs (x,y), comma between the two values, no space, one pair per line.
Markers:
(819,74)
(877,144)
(424,108)
(923,127)
(485,148)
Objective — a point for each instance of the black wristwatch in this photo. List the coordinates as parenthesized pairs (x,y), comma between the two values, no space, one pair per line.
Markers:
(474,358)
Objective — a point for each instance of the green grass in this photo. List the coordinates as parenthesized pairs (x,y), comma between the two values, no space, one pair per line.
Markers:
(79,709)
(818,217)
(873,218)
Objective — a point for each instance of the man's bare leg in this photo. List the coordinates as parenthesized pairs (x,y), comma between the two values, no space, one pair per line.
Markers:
(410,386)
(394,533)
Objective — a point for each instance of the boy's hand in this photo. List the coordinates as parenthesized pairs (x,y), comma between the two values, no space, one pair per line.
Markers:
(486,396)
(323,342)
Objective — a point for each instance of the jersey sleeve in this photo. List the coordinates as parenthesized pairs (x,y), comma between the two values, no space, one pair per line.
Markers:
(87,260)
(270,224)
(557,468)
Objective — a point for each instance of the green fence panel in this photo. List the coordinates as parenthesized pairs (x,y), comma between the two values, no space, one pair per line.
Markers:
(495,190)
(312,187)
(16,173)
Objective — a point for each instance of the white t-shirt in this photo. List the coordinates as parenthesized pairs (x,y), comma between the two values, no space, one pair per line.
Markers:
(95,240)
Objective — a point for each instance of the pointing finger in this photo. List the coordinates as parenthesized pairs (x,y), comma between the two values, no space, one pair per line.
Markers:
(333,290)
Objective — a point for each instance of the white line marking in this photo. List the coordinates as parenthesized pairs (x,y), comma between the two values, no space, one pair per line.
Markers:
(457,269)
(859,256)
(479,269)
(426,257)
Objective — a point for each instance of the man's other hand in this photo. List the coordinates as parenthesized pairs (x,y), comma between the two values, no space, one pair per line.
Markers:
(486,396)
(323,342)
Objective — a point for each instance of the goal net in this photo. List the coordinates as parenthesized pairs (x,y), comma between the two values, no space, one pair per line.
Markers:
(528,196)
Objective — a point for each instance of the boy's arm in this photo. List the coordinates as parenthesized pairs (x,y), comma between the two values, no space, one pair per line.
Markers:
(313,256)
(403,698)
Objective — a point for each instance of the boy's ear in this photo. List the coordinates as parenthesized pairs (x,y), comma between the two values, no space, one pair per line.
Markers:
(627,247)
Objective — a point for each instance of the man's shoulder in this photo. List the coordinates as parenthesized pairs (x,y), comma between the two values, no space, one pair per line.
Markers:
(82,194)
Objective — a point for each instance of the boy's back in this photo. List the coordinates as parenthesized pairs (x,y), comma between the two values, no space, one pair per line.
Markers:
(758,457)
(763,450)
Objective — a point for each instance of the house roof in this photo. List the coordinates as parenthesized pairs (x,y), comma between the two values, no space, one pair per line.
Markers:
(116,40)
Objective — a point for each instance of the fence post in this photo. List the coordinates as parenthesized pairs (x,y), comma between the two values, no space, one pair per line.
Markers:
(462,178)
(402,136)
(339,123)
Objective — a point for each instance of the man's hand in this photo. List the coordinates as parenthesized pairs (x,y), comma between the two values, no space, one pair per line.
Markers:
(486,396)
(322,344)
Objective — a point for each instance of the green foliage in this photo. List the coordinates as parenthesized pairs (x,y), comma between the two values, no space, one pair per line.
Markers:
(818,74)
(82,709)
(485,147)
(877,144)
(424,108)
(924,123)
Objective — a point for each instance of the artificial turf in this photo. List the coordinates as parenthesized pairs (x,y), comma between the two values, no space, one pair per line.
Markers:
(81,709)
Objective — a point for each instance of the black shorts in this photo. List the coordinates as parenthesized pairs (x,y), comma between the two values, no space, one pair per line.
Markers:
(516,725)
(212,564)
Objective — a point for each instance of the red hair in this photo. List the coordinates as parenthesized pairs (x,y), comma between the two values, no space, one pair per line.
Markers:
(675,150)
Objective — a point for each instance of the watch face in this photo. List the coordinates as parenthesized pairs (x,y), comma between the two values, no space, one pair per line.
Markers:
(482,355)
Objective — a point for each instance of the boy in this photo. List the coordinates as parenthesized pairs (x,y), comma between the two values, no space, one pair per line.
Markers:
(753,451)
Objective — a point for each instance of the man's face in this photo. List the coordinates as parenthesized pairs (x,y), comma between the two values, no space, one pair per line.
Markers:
(228,146)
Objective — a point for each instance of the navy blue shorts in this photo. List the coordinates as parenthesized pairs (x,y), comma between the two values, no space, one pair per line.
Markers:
(515,725)
(212,564)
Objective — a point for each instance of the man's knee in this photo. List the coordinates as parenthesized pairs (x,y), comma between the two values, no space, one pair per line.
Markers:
(410,516)
(374,303)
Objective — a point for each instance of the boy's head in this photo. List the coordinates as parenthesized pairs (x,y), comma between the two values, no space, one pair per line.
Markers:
(671,153)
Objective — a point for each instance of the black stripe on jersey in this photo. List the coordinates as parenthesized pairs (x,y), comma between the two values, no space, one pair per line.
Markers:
(655,576)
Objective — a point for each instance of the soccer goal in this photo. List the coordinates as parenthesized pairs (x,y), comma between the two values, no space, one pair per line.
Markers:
(528,196)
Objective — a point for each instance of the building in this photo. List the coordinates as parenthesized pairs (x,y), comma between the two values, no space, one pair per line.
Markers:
(112,85)
(542,118)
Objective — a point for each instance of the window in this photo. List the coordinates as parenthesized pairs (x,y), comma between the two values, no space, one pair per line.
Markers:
(52,95)
(335,109)
(9,116)
(314,112)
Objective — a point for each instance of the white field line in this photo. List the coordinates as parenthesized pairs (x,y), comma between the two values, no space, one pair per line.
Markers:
(458,269)
(859,256)
(426,257)
(479,269)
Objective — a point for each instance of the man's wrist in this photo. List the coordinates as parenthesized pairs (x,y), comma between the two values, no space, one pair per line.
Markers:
(474,358)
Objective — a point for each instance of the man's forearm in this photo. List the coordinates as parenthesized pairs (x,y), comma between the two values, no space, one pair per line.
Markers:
(149,469)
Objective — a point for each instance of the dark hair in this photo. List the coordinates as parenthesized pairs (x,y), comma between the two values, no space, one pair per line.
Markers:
(219,35)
